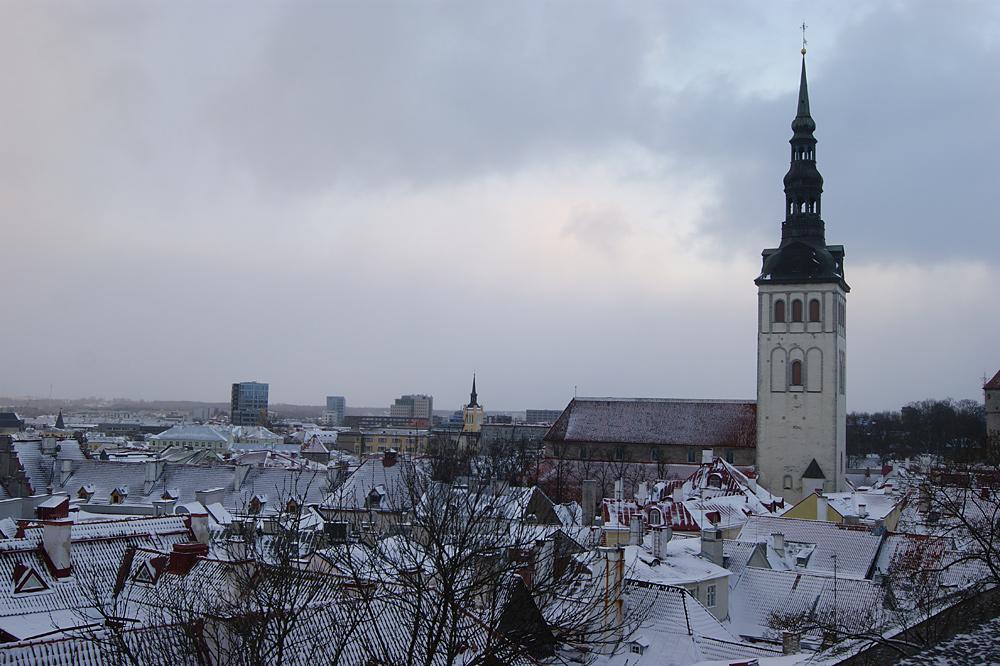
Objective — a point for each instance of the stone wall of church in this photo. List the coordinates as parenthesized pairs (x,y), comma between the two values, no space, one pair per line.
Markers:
(801,386)
(645,453)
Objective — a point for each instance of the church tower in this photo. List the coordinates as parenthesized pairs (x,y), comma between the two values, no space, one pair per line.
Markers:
(472,414)
(801,336)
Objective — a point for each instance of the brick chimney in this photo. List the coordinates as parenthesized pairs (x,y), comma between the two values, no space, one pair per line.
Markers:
(389,458)
(198,524)
(56,542)
(184,556)
(589,502)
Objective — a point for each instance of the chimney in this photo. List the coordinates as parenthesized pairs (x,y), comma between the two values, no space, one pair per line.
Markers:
(790,642)
(198,524)
(612,588)
(642,494)
(210,496)
(389,458)
(56,542)
(163,507)
(48,445)
(711,545)
(635,530)
(240,475)
(661,537)
(619,490)
(589,502)
(67,471)
(821,503)
(862,510)
(184,556)
(236,548)
(678,494)
(778,541)
(707,456)
(879,528)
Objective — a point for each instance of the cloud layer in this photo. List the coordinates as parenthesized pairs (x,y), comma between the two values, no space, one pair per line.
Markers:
(376,198)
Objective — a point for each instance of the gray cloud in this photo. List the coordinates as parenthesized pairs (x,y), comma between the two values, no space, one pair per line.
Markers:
(374,198)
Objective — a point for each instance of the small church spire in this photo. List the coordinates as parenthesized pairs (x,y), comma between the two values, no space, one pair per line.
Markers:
(473,397)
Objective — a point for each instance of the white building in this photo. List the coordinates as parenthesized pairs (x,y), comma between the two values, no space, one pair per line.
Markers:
(195,436)
(801,338)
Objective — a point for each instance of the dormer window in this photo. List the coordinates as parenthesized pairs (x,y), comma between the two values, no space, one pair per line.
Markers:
(27,580)
(119,494)
(655,517)
(85,492)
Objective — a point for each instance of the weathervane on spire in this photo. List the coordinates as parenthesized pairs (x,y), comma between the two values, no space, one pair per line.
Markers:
(804,42)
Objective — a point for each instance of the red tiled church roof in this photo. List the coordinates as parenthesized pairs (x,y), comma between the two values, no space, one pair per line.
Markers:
(993,384)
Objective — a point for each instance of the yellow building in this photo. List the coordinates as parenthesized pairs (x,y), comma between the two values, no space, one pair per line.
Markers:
(858,508)
(473,413)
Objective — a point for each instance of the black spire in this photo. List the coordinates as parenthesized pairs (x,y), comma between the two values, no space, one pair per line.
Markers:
(803,255)
(473,396)
(59,421)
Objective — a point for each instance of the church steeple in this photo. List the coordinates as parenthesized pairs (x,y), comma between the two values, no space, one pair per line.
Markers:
(803,255)
(473,397)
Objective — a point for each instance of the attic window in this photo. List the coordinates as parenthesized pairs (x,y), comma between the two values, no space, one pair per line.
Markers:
(636,648)
(655,517)
(118,495)
(27,580)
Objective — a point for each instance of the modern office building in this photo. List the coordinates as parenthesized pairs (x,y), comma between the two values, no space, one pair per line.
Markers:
(336,405)
(415,406)
(248,406)
(541,415)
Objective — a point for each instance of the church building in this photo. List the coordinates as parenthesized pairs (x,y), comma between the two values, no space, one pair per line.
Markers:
(795,433)
(802,335)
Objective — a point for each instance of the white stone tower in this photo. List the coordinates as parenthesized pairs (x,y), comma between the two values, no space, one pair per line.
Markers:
(801,336)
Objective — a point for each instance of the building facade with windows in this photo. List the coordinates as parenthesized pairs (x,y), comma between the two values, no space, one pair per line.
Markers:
(802,336)
(248,405)
(336,406)
(414,406)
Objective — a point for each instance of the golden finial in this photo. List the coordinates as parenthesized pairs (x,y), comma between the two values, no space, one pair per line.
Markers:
(804,42)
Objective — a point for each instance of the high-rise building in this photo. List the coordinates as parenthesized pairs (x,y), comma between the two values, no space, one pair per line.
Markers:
(414,406)
(802,336)
(336,405)
(248,405)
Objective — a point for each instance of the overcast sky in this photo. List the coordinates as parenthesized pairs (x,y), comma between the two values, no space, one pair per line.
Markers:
(376,198)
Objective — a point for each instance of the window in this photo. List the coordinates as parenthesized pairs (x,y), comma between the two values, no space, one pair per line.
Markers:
(619,453)
(655,454)
(843,374)
(655,516)
(710,597)
(691,455)
(583,453)
(635,648)
(779,311)
(796,373)
(797,310)
(730,456)
(814,310)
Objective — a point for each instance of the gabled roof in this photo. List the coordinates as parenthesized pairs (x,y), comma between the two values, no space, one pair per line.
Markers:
(813,471)
(853,548)
(701,423)
(993,384)
(190,433)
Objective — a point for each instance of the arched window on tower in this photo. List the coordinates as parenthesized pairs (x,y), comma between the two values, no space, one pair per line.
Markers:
(814,310)
(796,373)
(797,310)
(779,311)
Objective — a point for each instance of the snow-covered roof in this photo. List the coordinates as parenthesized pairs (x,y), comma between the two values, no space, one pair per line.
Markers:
(389,483)
(682,564)
(854,548)
(757,595)
(701,423)
(877,504)
(676,631)
(190,432)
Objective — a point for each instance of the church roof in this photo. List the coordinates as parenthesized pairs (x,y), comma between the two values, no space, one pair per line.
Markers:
(702,423)
(993,384)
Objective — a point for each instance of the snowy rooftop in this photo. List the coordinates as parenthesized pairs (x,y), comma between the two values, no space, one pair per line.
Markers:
(703,423)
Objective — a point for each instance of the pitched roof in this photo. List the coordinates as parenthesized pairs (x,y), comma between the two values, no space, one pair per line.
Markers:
(190,433)
(813,471)
(853,548)
(702,423)
(993,384)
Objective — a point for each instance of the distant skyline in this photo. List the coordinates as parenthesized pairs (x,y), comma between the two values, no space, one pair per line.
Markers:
(374,199)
